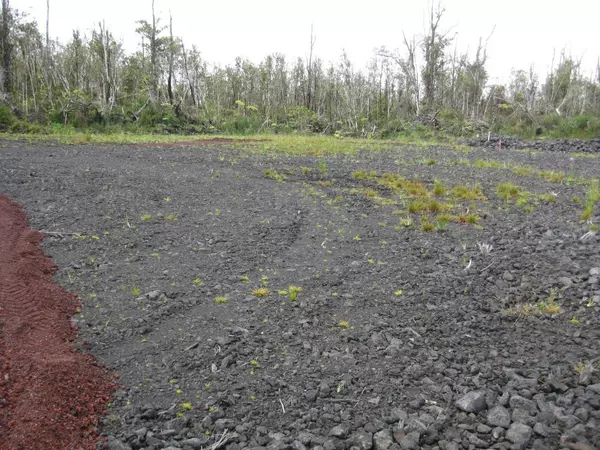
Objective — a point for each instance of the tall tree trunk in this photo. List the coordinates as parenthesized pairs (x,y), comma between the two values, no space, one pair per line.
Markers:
(153,58)
(7,84)
(171,51)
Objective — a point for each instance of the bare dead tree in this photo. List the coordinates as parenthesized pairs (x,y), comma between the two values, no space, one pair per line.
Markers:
(309,71)
(171,57)
(187,75)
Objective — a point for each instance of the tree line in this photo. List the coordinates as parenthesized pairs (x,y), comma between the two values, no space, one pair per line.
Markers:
(423,86)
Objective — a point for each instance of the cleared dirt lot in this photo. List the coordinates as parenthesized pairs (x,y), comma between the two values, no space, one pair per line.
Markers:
(460,272)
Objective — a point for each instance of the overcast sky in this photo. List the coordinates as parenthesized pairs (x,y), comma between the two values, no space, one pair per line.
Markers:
(526,31)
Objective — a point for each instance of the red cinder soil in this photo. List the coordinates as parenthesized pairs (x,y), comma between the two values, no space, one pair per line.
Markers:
(51,396)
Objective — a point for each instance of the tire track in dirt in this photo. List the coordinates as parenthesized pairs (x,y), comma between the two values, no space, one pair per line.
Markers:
(51,396)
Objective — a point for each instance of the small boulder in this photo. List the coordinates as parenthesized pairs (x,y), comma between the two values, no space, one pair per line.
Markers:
(473,402)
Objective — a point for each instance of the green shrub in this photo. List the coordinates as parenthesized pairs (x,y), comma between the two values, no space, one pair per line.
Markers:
(7,117)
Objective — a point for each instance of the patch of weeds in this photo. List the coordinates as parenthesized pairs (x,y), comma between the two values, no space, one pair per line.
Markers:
(293,292)
(274,175)
(430,162)
(441,225)
(260,292)
(364,175)
(575,321)
(244,278)
(135,291)
(438,188)
(356,238)
(197,282)
(416,207)
(370,193)
(471,218)
(385,201)
(592,196)
(146,217)
(327,183)
(322,166)
(221,300)
(399,292)
(170,218)
(522,171)
(481,164)
(507,190)
(447,218)
(467,193)
(550,175)
(548,198)
(405,222)
(580,367)
(186,406)
(436,207)
(343,324)
(427,226)
(305,170)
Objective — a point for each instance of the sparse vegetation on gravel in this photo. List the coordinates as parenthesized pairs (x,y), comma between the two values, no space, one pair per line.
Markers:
(328,293)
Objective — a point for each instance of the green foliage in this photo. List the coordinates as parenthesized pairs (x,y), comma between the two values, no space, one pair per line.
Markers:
(7,117)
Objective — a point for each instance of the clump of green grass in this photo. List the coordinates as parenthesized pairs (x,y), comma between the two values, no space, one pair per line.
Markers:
(446,218)
(364,175)
(221,300)
(550,175)
(370,193)
(467,193)
(481,164)
(522,171)
(438,188)
(146,217)
(430,162)
(416,207)
(507,190)
(548,198)
(592,196)
(171,218)
(343,324)
(405,222)
(427,226)
(436,207)
(260,292)
(471,218)
(293,292)
(274,175)
(381,201)
(322,166)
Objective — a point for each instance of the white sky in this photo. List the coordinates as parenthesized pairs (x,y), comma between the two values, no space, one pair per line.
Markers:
(527,31)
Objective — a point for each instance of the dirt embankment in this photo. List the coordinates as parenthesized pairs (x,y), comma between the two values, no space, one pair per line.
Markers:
(50,395)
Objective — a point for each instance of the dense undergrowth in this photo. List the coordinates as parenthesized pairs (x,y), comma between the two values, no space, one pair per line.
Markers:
(162,120)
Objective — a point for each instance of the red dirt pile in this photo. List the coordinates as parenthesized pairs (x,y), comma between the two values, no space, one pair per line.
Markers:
(51,396)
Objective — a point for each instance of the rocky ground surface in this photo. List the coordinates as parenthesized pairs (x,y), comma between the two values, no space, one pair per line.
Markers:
(481,333)
(550,145)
